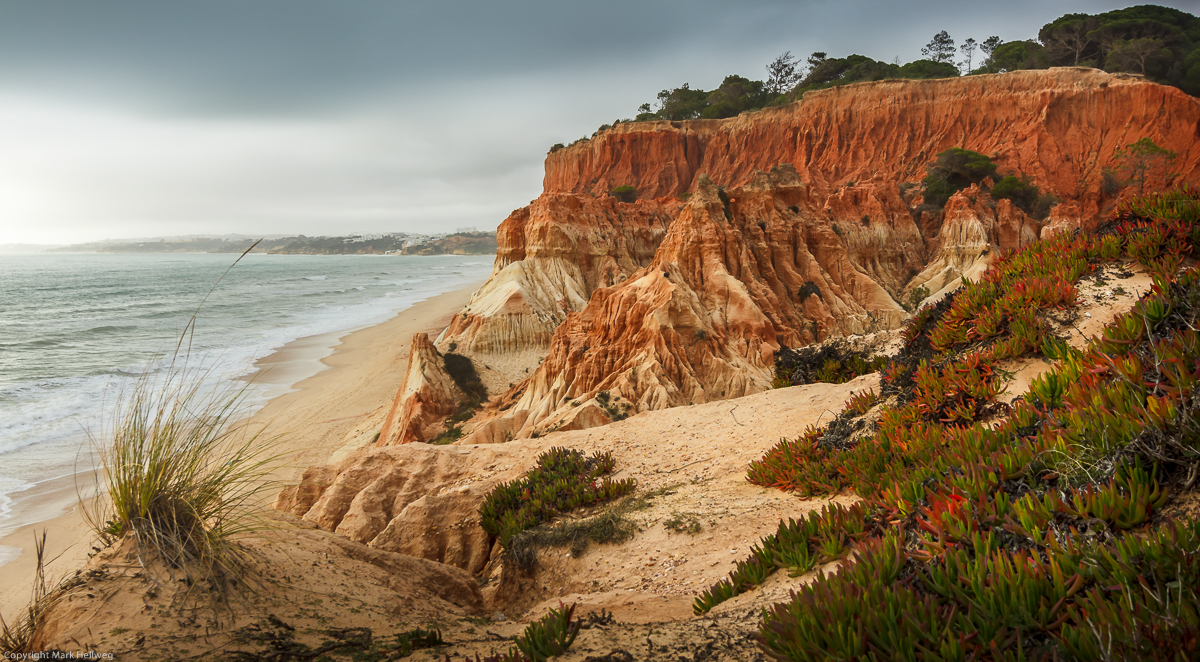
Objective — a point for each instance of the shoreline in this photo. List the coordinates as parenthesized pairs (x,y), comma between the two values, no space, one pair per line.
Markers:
(338,379)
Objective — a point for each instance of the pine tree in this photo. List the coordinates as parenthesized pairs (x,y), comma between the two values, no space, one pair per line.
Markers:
(940,49)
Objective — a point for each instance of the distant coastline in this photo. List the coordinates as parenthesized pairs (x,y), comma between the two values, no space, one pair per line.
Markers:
(394,243)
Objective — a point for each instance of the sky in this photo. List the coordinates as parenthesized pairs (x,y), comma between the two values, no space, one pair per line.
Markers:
(145,118)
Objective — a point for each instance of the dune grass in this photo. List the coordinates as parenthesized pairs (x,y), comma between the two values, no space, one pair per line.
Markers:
(179,477)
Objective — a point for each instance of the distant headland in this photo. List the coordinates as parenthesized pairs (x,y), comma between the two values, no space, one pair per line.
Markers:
(395,243)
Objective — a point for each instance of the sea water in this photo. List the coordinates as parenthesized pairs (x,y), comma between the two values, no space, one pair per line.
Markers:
(75,330)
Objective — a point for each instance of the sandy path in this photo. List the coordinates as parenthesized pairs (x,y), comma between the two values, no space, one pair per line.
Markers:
(361,373)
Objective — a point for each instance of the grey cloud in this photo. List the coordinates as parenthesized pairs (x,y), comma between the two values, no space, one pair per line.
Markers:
(144,117)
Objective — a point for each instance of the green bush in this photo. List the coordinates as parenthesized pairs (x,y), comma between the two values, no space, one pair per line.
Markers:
(916,296)
(1025,195)
(955,170)
(928,69)
(625,193)
(563,480)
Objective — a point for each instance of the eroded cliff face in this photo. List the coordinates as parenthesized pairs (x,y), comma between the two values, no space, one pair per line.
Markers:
(1060,127)
(552,255)
(427,396)
(803,222)
(414,499)
(826,245)
(733,279)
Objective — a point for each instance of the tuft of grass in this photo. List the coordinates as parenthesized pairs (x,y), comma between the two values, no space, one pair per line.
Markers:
(688,523)
(179,478)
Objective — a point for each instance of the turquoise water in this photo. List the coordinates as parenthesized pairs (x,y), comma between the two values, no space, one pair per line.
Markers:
(75,328)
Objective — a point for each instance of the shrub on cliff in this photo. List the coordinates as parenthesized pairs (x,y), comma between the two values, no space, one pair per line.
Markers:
(833,362)
(625,193)
(466,378)
(1025,195)
(955,170)
(735,95)
(923,69)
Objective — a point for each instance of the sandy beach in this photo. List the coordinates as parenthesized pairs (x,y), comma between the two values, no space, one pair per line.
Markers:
(325,385)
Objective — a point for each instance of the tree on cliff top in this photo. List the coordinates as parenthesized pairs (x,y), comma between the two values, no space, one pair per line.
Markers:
(1069,38)
(733,96)
(1139,55)
(921,69)
(1161,43)
(988,46)
(681,103)
(940,49)
(783,73)
(968,51)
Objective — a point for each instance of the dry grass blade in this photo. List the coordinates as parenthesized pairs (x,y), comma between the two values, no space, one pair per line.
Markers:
(17,638)
(189,329)
(179,477)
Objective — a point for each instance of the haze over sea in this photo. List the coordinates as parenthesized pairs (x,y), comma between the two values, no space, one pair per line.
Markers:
(75,329)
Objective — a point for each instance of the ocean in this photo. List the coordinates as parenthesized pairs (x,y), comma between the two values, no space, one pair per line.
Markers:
(76,329)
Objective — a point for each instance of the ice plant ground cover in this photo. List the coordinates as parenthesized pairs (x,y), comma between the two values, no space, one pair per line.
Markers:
(563,480)
(992,531)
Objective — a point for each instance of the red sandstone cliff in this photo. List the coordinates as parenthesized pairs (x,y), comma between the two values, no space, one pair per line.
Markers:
(1059,126)
(552,255)
(427,396)
(700,320)
(666,302)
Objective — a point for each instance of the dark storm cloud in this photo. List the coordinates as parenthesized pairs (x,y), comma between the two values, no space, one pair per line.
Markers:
(292,55)
(299,55)
(134,117)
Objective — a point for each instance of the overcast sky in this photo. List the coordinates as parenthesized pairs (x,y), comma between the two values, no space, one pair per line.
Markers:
(149,118)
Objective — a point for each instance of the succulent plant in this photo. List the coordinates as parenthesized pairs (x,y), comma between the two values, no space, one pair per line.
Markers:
(1037,534)
(563,480)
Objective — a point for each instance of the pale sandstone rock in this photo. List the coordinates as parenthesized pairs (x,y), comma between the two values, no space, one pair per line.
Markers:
(413,499)
(552,255)
(1063,218)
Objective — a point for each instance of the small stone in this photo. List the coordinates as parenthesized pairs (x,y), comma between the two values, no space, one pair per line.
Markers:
(498,616)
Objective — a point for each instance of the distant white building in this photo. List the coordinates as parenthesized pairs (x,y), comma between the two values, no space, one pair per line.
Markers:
(369,236)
